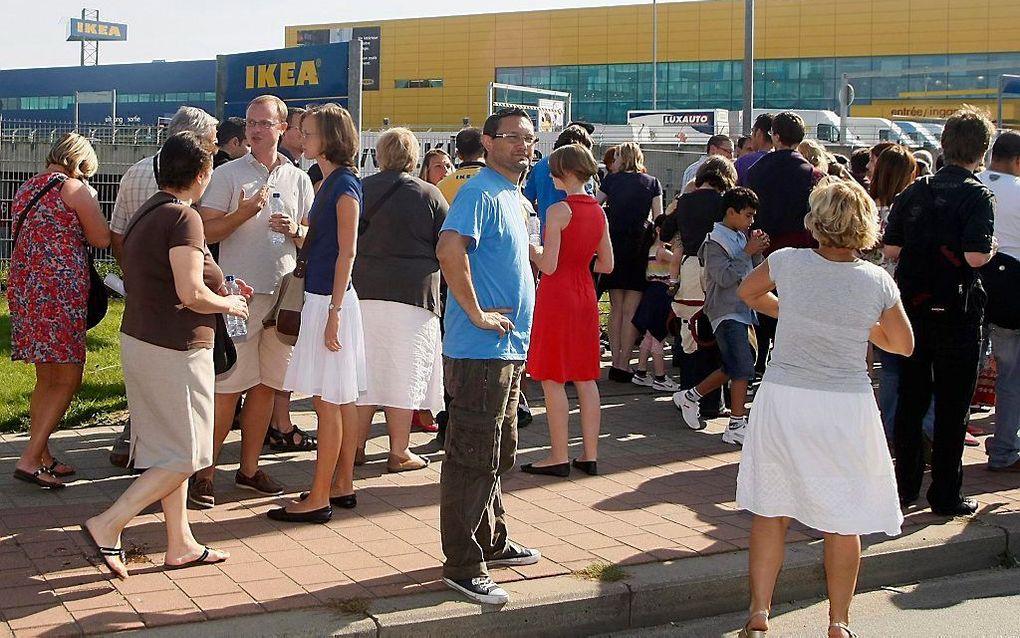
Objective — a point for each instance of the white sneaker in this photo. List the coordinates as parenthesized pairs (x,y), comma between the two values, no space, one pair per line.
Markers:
(645,380)
(480,589)
(734,434)
(689,410)
(665,385)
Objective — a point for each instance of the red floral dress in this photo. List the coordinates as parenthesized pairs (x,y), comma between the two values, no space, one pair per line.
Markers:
(48,286)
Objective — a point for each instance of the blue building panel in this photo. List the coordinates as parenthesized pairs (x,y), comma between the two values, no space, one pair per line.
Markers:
(145,92)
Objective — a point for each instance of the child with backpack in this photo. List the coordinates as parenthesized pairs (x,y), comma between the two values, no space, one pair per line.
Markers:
(652,314)
(729,253)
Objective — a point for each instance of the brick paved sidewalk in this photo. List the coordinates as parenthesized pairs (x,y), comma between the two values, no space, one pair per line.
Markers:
(665,492)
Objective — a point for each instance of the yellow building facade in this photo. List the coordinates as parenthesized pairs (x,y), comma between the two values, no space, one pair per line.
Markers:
(436,71)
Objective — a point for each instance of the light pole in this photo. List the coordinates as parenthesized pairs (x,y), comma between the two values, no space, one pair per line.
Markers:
(748,64)
(655,55)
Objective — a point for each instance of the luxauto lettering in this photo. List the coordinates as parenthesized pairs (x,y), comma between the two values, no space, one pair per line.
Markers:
(270,76)
(692,119)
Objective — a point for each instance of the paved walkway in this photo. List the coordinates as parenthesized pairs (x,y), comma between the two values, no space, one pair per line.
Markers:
(665,492)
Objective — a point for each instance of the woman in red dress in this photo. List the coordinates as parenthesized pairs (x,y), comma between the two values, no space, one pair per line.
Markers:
(48,292)
(565,331)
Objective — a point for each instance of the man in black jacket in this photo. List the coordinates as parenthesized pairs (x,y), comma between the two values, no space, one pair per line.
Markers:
(940,230)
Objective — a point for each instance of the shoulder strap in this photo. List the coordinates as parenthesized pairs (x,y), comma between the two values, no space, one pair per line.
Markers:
(57,179)
(366,218)
(143,212)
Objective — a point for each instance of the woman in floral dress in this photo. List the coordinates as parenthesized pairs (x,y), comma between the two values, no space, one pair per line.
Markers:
(48,291)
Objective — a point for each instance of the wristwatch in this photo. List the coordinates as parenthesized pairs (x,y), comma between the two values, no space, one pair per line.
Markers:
(334,307)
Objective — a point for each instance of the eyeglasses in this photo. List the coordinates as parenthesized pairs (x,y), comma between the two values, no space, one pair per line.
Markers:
(260,123)
(308,134)
(517,138)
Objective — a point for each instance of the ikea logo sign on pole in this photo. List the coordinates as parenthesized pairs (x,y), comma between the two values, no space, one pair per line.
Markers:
(283,74)
(89,30)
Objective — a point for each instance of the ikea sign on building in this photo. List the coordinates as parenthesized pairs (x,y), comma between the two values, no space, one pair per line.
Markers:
(79,30)
(297,75)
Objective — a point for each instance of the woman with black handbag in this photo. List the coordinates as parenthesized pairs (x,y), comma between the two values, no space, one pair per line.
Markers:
(56,217)
(175,291)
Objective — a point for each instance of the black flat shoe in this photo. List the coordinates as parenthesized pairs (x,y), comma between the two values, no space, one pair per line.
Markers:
(315,516)
(619,375)
(348,501)
(591,468)
(560,469)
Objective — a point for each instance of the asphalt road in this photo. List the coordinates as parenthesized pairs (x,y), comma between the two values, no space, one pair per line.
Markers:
(976,605)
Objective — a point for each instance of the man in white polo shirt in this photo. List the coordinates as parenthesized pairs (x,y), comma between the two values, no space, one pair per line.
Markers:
(236,212)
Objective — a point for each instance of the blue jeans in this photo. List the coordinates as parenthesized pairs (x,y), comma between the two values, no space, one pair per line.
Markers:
(888,391)
(1004,447)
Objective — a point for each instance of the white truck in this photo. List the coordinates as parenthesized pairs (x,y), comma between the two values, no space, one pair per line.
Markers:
(678,126)
(920,134)
(873,130)
(819,124)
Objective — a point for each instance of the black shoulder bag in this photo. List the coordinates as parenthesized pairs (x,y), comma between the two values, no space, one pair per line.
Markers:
(99,299)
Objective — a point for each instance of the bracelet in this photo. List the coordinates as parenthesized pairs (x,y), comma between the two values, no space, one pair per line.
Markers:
(298,234)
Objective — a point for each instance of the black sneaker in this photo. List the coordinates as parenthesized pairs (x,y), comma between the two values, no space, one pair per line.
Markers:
(965,507)
(480,589)
(515,556)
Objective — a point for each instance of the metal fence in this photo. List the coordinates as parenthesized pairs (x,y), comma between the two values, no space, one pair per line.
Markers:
(24,146)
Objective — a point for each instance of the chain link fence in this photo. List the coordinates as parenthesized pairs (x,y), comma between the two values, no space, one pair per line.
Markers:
(24,146)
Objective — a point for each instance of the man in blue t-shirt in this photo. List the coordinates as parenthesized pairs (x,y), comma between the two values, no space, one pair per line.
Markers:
(483,253)
(539,189)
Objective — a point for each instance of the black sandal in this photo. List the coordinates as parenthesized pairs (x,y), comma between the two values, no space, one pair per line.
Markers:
(52,469)
(297,440)
(33,478)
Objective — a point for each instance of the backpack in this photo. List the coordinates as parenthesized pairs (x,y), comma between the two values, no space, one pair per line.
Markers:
(932,273)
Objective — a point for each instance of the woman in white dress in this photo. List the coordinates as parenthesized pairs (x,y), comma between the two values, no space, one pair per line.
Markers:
(397,277)
(815,449)
(329,357)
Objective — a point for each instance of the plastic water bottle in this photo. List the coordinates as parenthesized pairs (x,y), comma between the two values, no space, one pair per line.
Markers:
(276,206)
(237,327)
(534,230)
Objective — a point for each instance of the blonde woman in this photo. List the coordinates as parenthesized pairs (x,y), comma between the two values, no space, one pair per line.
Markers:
(329,357)
(434,166)
(397,278)
(814,152)
(633,198)
(55,218)
(815,450)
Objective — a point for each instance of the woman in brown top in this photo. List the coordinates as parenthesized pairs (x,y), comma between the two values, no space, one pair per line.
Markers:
(174,291)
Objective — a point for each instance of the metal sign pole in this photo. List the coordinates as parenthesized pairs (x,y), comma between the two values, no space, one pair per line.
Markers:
(655,55)
(844,107)
(355,77)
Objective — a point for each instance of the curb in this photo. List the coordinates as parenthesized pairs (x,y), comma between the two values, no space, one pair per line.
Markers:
(648,595)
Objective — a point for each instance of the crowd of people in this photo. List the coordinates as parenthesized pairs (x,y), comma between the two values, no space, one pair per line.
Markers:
(777,262)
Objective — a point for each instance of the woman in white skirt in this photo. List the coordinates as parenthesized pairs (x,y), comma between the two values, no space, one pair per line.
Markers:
(397,277)
(175,289)
(815,450)
(329,359)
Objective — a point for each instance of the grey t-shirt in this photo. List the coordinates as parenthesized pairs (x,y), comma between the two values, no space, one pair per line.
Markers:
(397,241)
(826,312)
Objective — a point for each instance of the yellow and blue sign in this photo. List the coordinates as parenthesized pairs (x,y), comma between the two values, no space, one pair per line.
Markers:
(80,30)
(297,75)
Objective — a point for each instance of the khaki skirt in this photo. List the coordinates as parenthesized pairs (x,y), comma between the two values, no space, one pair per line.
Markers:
(170,396)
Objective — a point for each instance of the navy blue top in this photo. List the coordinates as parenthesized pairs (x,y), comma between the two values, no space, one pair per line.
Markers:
(324,250)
